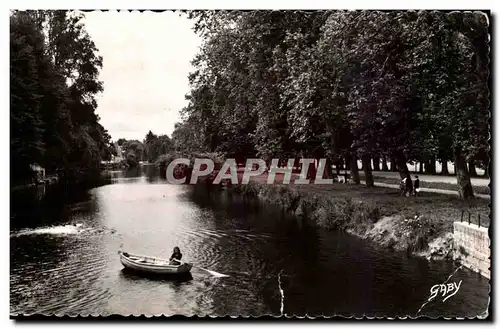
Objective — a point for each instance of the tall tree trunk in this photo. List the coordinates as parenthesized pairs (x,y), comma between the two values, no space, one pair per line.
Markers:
(394,167)
(433,165)
(297,165)
(367,168)
(311,171)
(421,167)
(384,164)
(347,164)
(376,163)
(444,167)
(403,170)
(472,169)
(365,163)
(328,173)
(355,170)
(430,167)
(465,190)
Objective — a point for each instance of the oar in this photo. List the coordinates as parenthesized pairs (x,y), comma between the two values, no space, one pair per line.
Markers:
(217,274)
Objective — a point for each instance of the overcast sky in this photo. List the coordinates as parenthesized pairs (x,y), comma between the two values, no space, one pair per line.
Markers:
(146,62)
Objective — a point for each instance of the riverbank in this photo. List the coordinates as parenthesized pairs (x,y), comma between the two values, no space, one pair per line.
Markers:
(78,180)
(421,226)
(46,181)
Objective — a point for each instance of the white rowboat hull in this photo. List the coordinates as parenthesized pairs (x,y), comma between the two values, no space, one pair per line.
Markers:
(152,265)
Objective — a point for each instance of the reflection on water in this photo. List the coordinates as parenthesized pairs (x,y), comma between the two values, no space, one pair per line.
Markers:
(172,280)
(64,258)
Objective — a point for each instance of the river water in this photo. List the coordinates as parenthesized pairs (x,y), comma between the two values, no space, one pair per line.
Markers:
(64,258)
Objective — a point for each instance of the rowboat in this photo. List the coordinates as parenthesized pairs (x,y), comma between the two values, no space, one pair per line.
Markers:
(152,265)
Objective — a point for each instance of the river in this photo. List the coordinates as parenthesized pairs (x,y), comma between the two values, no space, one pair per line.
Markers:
(64,258)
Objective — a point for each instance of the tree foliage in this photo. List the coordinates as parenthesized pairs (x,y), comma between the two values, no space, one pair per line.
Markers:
(407,85)
(154,146)
(54,70)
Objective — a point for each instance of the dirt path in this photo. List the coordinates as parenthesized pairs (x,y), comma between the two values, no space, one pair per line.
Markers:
(475,181)
(429,190)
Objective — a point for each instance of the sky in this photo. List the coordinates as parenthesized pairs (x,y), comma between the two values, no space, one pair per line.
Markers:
(146,62)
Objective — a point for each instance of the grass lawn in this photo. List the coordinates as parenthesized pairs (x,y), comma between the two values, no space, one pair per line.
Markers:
(435,185)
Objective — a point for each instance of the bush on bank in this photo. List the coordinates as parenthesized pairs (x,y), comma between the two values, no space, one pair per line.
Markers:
(182,170)
(165,159)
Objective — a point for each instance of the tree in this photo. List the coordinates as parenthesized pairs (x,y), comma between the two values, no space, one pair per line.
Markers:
(456,78)
(154,146)
(26,53)
(185,137)
(405,86)
(150,137)
(54,70)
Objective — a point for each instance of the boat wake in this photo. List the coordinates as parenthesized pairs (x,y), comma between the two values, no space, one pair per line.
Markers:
(52,230)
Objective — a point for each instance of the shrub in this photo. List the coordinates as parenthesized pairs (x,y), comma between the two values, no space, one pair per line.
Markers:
(247,190)
(419,231)
(291,200)
(131,160)
(165,159)
(345,214)
(182,170)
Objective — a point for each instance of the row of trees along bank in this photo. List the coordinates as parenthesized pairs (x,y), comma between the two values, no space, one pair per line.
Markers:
(403,86)
(54,69)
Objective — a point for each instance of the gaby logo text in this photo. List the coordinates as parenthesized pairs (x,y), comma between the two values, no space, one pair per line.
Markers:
(446,290)
(229,171)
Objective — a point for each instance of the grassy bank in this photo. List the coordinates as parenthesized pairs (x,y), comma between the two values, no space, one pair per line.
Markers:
(435,185)
(420,225)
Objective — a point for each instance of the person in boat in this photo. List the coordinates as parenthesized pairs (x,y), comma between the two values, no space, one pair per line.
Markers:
(175,255)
